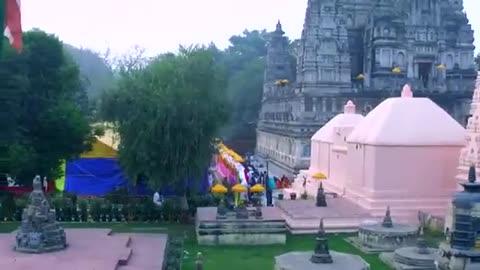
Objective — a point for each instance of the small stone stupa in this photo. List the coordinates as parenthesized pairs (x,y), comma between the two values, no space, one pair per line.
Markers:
(321,198)
(419,257)
(322,252)
(39,232)
(384,236)
(321,259)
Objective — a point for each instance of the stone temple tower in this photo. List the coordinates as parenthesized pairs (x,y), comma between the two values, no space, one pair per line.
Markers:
(363,50)
(277,61)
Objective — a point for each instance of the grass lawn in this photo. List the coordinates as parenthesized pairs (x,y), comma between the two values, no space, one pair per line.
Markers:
(226,257)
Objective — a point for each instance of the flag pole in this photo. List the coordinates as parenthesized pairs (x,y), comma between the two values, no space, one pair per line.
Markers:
(2,23)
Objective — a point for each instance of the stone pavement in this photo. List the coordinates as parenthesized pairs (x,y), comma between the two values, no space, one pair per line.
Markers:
(90,249)
(341,215)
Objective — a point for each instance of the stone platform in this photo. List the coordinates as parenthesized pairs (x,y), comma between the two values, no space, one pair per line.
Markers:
(271,229)
(90,249)
(341,215)
(301,261)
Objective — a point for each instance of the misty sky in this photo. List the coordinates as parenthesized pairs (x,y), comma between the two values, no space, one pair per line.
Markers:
(161,25)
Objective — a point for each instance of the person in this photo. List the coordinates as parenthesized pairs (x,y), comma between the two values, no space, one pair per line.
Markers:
(157,199)
(210,179)
(270,186)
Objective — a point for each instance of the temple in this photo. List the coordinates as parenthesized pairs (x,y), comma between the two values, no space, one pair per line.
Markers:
(391,157)
(362,50)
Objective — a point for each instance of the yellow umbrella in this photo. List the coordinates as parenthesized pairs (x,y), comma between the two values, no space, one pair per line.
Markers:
(257,189)
(238,188)
(319,176)
(219,189)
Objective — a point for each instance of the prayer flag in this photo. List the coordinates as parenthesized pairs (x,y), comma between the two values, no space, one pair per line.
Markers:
(12,19)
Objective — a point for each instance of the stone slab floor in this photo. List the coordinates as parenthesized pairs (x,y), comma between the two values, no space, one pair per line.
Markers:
(90,249)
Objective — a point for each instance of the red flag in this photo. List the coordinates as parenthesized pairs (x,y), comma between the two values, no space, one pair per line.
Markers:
(13,24)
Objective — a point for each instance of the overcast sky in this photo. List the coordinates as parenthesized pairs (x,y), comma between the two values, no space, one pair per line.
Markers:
(161,25)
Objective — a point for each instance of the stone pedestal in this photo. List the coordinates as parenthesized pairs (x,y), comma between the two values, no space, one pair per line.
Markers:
(301,261)
(412,258)
(39,232)
(385,236)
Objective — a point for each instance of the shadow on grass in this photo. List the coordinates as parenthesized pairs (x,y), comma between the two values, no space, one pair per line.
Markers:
(226,257)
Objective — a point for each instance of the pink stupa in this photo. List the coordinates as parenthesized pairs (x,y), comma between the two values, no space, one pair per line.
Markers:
(404,154)
(329,150)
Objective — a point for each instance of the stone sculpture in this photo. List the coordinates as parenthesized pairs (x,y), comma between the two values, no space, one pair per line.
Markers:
(384,236)
(322,252)
(321,258)
(39,232)
(321,200)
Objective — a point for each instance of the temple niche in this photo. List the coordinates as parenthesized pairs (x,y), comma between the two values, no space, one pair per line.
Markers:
(365,51)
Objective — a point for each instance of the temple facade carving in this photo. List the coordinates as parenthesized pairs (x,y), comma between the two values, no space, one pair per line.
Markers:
(364,51)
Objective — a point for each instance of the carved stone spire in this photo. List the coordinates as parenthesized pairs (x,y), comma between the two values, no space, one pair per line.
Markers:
(323,63)
(278,29)
(472,174)
(277,60)
(387,220)
(321,255)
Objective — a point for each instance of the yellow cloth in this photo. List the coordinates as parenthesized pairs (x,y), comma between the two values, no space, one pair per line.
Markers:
(100,150)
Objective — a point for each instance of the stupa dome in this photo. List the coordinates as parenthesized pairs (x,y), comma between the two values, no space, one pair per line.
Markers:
(408,121)
(346,119)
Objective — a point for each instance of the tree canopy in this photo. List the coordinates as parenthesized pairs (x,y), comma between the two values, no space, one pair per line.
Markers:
(41,105)
(244,61)
(168,114)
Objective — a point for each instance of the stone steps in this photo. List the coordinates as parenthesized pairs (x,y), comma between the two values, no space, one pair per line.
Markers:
(141,249)
(310,226)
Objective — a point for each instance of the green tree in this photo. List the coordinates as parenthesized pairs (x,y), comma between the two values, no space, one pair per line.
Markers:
(48,126)
(168,113)
(244,60)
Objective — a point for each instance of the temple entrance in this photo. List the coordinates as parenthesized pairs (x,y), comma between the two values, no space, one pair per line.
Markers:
(424,70)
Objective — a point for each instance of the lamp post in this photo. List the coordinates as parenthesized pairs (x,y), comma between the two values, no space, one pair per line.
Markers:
(361,78)
(441,68)
(396,72)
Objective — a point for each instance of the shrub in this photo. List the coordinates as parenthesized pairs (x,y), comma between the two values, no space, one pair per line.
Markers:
(95,210)
(83,207)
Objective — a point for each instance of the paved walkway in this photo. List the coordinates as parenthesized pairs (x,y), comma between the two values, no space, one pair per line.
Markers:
(90,249)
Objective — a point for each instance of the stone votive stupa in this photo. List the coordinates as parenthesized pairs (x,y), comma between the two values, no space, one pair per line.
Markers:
(419,257)
(321,200)
(462,250)
(39,231)
(384,236)
(321,259)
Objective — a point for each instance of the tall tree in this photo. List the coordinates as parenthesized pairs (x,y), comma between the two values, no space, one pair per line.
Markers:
(49,125)
(168,113)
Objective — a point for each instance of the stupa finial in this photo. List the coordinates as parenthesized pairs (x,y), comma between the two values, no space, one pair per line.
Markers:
(387,220)
(321,255)
(407,91)
(472,174)
(349,107)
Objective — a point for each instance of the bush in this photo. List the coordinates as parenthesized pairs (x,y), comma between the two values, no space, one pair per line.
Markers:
(8,207)
(95,210)
(83,207)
